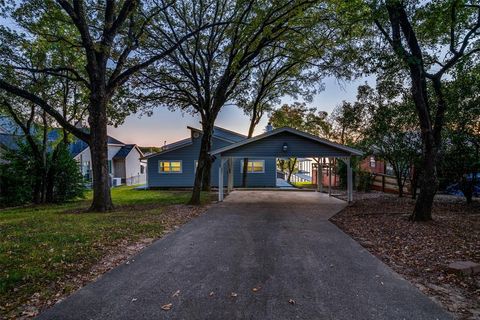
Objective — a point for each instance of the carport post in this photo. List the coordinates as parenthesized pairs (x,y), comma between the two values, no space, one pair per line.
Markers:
(329,176)
(319,175)
(220,181)
(349,181)
(230,175)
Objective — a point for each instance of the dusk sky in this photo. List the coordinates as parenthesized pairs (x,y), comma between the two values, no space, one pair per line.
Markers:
(165,125)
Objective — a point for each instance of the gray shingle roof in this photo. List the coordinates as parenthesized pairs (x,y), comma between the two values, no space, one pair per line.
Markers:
(123,152)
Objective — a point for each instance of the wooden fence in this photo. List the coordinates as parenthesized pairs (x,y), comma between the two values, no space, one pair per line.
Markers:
(387,183)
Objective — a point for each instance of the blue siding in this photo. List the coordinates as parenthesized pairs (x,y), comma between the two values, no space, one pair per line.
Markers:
(297,146)
(189,154)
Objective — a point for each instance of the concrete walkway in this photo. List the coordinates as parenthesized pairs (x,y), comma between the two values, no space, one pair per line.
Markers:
(279,243)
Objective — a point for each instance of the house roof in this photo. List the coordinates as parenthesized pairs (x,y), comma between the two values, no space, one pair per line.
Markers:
(170,147)
(224,134)
(9,141)
(77,145)
(218,132)
(8,126)
(334,145)
(125,151)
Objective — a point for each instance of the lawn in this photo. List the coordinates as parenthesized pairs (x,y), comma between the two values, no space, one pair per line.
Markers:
(304,185)
(44,250)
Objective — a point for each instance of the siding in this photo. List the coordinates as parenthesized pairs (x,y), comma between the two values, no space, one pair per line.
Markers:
(132,168)
(189,154)
(298,146)
(119,169)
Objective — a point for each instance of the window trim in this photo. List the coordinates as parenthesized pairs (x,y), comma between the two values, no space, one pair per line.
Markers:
(373,161)
(253,160)
(170,172)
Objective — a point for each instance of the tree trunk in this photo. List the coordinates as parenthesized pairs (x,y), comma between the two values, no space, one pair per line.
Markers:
(204,164)
(291,167)
(253,123)
(102,200)
(428,179)
(244,172)
(398,176)
(44,157)
(51,177)
(204,152)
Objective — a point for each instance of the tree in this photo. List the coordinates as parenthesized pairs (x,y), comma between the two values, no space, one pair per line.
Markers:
(25,178)
(382,121)
(460,153)
(280,72)
(205,72)
(108,39)
(298,116)
(419,35)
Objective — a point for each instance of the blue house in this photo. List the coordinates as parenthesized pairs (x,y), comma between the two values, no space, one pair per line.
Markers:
(175,165)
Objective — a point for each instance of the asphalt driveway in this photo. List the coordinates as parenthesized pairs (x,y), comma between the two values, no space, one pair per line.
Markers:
(258,255)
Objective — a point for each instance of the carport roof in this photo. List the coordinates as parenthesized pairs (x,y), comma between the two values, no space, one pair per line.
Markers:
(337,146)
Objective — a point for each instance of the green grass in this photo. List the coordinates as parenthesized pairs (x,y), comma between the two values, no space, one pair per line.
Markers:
(41,246)
(304,185)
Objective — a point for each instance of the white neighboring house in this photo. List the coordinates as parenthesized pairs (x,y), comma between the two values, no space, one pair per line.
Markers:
(124,164)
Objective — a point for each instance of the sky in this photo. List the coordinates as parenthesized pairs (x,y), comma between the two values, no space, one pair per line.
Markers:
(167,126)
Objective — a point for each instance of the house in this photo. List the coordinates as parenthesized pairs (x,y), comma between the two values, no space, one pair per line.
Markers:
(124,164)
(175,164)
(7,142)
(124,161)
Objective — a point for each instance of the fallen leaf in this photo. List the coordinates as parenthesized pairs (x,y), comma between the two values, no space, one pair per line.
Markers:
(176,294)
(255,289)
(291,301)
(134,299)
(211,294)
(233,295)
(167,307)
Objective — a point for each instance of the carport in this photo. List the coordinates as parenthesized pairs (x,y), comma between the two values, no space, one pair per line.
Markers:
(282,143)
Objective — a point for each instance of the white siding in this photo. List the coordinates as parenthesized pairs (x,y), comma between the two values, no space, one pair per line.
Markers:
(132,168)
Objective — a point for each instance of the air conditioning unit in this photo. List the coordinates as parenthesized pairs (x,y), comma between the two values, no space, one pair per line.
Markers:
(117,182)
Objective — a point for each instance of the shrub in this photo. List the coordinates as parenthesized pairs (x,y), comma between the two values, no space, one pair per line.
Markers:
(22,177)
(365,180)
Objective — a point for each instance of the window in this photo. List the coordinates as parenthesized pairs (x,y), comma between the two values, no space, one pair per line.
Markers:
(142,169)
(372,162)
(110,166)
(174,166)
(254,166)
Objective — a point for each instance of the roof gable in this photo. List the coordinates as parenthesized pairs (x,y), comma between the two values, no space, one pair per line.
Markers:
(125,151)
(298,143)
(224,134)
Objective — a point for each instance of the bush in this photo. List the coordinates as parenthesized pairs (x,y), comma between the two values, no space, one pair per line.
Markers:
(365,181)
(22,178)
(17,175)
(68,182)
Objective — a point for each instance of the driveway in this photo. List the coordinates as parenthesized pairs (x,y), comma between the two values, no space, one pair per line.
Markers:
(258,255)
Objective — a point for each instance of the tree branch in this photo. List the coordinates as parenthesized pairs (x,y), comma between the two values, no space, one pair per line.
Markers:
(19,92)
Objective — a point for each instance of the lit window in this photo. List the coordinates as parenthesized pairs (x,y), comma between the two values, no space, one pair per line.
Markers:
(372,162)
(170,166)
(254,166)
